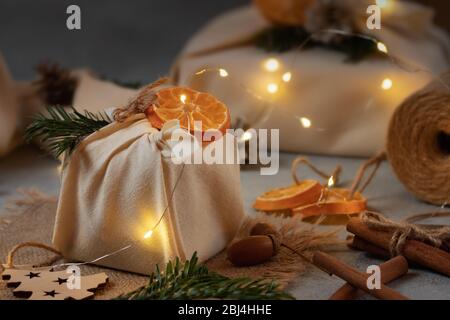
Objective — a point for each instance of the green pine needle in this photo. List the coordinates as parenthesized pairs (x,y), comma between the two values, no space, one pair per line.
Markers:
(190,280)
(282,39)
(61,130)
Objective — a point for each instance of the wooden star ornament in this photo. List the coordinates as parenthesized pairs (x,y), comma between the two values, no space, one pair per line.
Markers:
(46,284)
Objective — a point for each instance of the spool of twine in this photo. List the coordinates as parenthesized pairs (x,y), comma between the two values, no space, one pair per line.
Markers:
(418,142)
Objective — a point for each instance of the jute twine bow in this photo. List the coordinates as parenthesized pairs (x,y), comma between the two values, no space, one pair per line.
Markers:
(141,102)
(404,230)
(332,179)
(301,160)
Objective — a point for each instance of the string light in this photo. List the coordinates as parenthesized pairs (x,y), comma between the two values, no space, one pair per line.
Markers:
(386,84)
(148,234)
(306,123)
(287,76)
(382,47)
(330,182)
(201,72)
(272,88)
(272,65)
(247,136)
(223,73)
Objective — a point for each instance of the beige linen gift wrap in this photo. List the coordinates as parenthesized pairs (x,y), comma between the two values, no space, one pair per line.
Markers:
(116,186)
(344,107)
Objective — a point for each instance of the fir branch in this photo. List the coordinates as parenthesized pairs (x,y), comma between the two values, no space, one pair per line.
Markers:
(193,281)
(61,130)
(282,39)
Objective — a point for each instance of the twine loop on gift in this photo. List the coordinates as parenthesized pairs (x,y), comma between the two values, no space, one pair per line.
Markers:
(161,138)
(404,230)
(141,102)
(15,249)
(375,162)
(332,179)
(10,258)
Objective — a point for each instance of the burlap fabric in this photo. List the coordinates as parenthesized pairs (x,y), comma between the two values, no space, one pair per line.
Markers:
(31,219)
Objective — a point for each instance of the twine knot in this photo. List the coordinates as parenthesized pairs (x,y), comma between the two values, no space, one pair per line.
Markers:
(161,139)
(141,102)
(404,230)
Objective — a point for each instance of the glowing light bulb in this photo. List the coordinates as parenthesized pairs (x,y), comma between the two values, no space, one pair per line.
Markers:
(330,182)
(183,98)
(223,73)
(272,65)
(305,122)
(272,88)
(287,77)
(386,84)
(246,136)
(382,47)
(200,72)
(148,234)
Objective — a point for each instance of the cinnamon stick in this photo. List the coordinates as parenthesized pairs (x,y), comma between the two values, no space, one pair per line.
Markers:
(390,270)
(357,243)
(415,251)
(357,279)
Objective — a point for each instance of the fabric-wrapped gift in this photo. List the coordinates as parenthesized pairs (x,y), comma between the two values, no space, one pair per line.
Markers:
(329,106)
(121,187)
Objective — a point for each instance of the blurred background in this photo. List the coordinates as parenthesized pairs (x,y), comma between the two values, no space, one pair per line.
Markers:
(132,40)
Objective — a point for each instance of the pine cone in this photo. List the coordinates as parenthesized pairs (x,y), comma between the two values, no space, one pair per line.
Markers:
(56,85)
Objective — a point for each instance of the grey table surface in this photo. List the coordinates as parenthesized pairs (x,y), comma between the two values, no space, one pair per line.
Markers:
(137,41)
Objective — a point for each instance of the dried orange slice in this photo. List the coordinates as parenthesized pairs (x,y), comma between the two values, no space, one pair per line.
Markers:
(188,106)
(284,12)
(307,191)
(335,201)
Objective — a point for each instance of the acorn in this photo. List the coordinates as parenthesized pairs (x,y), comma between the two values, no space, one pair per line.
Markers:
(262,244)
(260,229)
